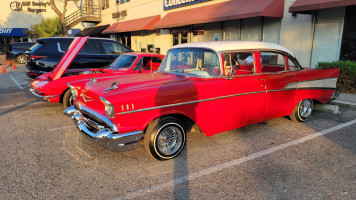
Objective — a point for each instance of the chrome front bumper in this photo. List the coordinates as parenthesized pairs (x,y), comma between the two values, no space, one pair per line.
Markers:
(42,97)
(102,130)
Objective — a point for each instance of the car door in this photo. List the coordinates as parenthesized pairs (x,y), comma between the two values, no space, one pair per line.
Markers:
(280,100)
(240,97)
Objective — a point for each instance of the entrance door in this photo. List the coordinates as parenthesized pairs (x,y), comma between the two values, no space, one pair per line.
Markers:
(180,36)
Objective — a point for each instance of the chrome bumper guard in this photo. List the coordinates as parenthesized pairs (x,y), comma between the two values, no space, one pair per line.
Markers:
(102,130)
(42,97)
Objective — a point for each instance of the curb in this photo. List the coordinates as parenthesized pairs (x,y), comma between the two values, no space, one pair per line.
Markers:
(344,104)
(334,109)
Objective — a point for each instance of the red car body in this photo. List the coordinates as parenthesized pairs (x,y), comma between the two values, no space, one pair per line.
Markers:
(52,86)
(208,84)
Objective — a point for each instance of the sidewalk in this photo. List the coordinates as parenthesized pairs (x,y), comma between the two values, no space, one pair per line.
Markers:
(346,100)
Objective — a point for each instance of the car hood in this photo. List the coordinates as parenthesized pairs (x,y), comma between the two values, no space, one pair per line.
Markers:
(133,82)
(68,57)
(143,86)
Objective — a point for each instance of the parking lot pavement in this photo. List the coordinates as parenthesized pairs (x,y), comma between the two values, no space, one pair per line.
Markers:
(44,157)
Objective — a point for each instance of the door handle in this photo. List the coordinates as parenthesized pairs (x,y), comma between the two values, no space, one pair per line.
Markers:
(290,76)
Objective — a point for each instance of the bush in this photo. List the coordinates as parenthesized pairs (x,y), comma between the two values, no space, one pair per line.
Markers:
(347,78)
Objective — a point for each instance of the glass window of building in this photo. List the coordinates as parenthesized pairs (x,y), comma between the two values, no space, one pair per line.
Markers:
(122,1)
(104,4)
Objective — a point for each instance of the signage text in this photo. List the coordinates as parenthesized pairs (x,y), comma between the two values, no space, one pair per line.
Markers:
(170,4)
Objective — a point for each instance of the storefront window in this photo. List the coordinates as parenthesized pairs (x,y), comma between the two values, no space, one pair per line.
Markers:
(348,46)
(180,36)
(184,38)
(231,30)
(104,4)
(250,29)
(326,47)
(122,1)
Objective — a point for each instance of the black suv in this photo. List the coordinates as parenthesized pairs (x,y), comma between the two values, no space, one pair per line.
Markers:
(17,51)
(46,53)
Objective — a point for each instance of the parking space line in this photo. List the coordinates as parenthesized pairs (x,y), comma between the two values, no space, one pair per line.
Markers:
(233,163)
(61,128)
(18,85)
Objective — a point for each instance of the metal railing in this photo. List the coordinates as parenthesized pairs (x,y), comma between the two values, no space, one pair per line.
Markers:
(85,11)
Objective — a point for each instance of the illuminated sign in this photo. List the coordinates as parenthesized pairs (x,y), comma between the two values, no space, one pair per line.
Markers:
(32,7)
(170,4)
(13,32)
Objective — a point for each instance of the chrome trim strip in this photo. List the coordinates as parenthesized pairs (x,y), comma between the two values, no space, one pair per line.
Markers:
(233,95)
(33,91)
(316,83)
(188,102)
(312,88)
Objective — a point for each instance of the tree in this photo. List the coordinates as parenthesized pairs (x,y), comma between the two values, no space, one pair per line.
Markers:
(61,15)
(47,28)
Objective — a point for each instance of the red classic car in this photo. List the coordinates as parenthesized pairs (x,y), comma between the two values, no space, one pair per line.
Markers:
(218,86)
(52,86)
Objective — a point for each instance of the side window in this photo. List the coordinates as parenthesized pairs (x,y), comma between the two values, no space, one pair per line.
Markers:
(292,65)
(239,63)
(138,64)
(90,47)
(157,60)
(272,62)
(113,48)
(63,45)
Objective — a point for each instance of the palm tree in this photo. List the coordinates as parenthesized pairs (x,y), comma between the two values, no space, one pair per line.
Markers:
(49,27)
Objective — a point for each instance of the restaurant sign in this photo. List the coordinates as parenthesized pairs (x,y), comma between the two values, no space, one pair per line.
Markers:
(30,6)
(170,4)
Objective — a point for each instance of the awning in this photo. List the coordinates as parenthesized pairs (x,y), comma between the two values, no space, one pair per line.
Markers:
(133,25)
(14,32)
(306,6)
(92,31)
(235,9)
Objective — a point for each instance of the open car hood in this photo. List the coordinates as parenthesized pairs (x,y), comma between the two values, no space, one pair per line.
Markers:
(68,57)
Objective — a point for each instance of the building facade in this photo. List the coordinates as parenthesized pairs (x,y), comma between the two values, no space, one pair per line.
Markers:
(19,15)
(315,30)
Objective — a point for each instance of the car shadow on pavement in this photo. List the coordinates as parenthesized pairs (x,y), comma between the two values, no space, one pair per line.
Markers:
(181,188)
(18,107)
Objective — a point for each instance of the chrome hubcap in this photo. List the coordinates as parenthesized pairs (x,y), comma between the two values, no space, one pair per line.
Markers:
(305,108)
(21,59)
(170,140)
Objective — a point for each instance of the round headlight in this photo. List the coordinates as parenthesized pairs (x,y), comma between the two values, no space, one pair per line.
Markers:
(109,108)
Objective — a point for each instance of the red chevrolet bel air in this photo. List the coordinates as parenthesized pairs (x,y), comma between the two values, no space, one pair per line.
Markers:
(53,87)
(218,86)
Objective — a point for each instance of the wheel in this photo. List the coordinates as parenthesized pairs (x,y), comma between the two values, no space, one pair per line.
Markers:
(21,59)
(67,99)
(302,111)
(165,138)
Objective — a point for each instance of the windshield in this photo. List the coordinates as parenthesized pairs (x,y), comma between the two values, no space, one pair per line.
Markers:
(191,61)
(123,62)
